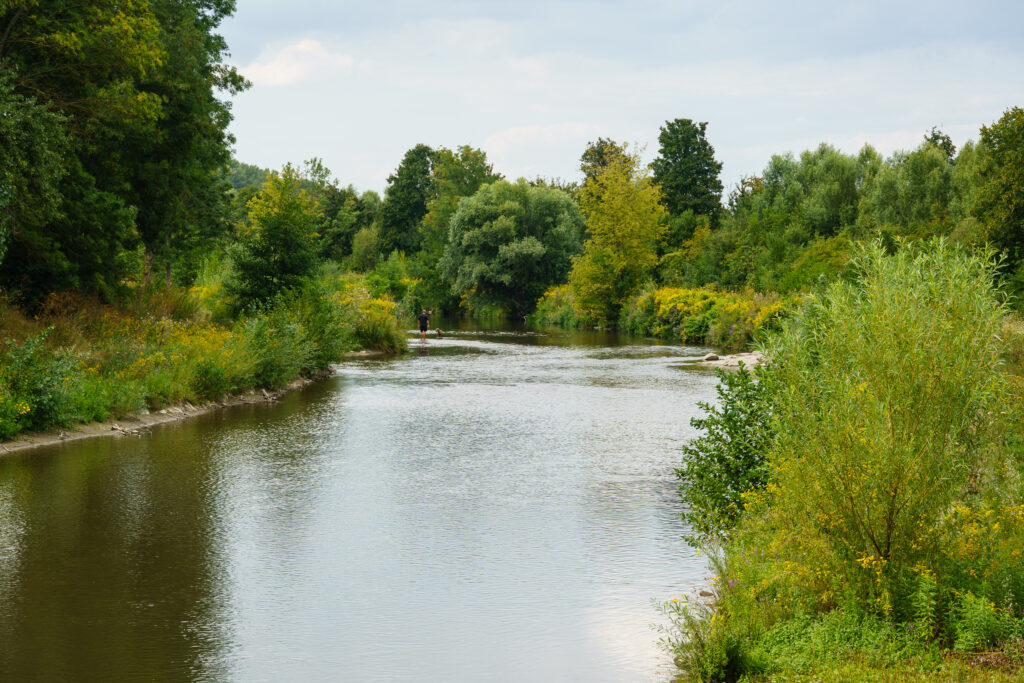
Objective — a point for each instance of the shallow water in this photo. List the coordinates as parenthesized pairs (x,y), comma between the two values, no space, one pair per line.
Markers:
(494,505)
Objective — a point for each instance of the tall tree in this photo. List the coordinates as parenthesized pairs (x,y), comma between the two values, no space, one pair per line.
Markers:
(33,146)
(1000,200)
(175,172)
(687,170)
(278,247)
(405,201)
(936,137)
(84,61)
(598,155)
(624,216)
(509,242)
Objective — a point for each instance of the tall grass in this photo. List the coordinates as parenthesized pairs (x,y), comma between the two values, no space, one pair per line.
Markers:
(84,362)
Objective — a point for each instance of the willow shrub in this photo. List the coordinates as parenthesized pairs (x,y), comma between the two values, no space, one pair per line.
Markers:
(891,520)
(883,390)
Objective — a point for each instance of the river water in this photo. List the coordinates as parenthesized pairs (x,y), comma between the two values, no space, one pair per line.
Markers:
(491,506)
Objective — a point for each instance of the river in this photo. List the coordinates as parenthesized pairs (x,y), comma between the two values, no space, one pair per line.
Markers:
(497,505)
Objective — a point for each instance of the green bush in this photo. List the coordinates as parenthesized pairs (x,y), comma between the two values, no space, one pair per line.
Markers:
(890,525)
(728,459)
(557,308)
(36,381)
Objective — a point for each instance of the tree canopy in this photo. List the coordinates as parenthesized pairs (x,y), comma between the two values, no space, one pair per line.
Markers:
(624,216)
(686,168)
(509,242)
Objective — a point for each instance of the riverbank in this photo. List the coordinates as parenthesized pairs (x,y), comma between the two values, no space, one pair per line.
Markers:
(860,507)
(137,424)
(79,362)
(702,315)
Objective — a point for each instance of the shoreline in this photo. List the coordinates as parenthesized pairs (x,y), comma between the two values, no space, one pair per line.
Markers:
(137,424)
(140,423)
(749,359)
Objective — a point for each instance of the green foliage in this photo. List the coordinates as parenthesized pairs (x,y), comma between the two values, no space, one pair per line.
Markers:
(599,155)
(557,308)
(1000,200)
(902,421)
(686,169)
(509,242)
(623,213)
(277,250)
(33,144)
(405,201)
(723,319)
(125,93)
(456,174)
(241,174)
(35,384)
(890,524)
(365,249)
(728,459)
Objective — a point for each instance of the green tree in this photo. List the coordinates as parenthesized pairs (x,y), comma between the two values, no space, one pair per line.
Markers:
(686,169)
(175,171)
(910,192)
(405,201)
(33,144)
(936,137)
(624,215)
(598,155)
(509,242)
(456,174)
(277,250)
(1000,200)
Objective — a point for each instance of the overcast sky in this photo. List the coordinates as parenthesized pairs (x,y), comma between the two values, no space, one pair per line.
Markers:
(531,81)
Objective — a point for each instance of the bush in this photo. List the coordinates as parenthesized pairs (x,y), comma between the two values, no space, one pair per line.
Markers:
(890,524)
(36,385)
(557,308)
(728,460)
(704,316)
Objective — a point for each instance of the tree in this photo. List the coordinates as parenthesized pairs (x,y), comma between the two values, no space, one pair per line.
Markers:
(456,174)
(276,251)
(509,242)
(33,144)
(405,200)
(687,170)
(936,137)
(598,155)
(1000,201)
(624,216)
(134,82)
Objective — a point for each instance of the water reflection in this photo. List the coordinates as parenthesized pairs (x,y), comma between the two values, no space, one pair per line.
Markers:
(493,505)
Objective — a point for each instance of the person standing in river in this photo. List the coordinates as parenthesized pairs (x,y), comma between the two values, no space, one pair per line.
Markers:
(424,319)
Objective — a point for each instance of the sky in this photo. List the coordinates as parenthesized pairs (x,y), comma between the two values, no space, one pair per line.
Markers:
(532,81)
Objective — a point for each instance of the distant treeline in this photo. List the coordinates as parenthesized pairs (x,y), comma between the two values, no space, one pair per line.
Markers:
(115,169)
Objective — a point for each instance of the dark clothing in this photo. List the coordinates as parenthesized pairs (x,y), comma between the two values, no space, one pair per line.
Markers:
(424,320)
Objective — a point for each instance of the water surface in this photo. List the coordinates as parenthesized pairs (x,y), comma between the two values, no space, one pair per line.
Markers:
(494,505)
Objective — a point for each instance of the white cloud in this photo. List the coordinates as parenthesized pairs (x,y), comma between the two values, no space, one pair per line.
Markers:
(303,61)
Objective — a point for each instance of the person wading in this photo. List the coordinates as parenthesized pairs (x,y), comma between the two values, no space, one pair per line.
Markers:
(424,319)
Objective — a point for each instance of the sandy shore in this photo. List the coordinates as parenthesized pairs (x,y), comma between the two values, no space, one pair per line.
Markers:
(733,360)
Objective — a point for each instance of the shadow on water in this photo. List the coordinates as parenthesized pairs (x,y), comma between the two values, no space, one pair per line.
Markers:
(496,504)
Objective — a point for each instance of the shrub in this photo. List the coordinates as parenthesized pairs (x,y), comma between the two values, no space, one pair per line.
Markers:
(36,381)
(728,460)
(557,308)
(881,432)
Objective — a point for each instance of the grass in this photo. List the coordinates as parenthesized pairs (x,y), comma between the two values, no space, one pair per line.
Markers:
(81,361)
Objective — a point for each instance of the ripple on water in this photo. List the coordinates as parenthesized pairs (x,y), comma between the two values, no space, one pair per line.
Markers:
(490,505)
